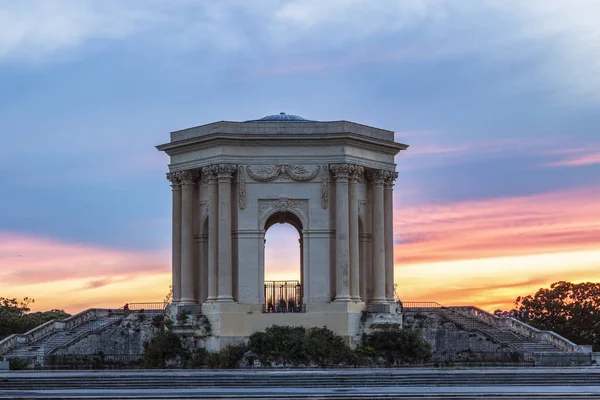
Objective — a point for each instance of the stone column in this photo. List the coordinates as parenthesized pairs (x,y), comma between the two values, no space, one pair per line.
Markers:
(342,276)
(356,177)
(188,180)
(388,201)
(377,178)
(174,177)
(224,175)
(209,174)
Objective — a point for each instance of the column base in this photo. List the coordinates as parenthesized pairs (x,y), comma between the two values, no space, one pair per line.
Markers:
(211,299)
(187,301)
(224,299)
(378,301)
(343,299)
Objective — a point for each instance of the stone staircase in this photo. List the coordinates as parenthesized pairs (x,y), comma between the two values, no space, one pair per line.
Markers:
(53,335)
(505,331)
(60,338)
(502,335)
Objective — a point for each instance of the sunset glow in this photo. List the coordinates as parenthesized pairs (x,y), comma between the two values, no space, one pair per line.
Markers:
(497,196)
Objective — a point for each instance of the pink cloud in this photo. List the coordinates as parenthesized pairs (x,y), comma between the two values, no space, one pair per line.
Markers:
(541,223)
(578,157)
(28,260)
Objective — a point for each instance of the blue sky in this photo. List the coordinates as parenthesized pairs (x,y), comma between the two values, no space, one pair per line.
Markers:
(498,99)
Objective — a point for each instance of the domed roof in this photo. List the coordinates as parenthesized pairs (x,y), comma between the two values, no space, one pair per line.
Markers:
(281,117)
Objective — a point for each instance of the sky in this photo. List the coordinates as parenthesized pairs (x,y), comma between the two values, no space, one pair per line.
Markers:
(497,196)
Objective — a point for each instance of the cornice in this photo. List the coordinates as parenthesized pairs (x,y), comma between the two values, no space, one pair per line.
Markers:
(279,140)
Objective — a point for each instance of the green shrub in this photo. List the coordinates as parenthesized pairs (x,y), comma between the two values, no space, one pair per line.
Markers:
(280,344)
(325,348)
(398,346)
(227,357)
(161,348)
(18,364)
(295,346)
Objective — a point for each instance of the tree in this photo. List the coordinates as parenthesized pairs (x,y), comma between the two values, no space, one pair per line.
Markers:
(15,316)
(570,309)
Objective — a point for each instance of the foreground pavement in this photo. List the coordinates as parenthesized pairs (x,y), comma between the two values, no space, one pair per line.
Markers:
(416,383)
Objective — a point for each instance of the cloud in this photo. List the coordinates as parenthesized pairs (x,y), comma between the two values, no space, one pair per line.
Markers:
(536,224)
(30,260)
(562,37)
(577,158)
(36,28)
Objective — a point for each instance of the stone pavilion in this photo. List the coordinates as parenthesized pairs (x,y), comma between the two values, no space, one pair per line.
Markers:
(332,181)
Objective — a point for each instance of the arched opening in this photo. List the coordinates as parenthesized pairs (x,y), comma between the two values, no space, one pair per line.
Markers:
(283,263)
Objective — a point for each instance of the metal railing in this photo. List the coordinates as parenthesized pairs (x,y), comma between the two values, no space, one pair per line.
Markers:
(158,306)
(283,297)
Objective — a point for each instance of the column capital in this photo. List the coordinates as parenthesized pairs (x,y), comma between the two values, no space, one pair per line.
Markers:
(357,174)
(209,174)
(341,172)
(381,177)
(175,178)
(225,172)
(389,180)
(188,178)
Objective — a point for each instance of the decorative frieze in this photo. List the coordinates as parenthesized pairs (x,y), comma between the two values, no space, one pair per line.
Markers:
(268,173)
(242,193)
(324,187)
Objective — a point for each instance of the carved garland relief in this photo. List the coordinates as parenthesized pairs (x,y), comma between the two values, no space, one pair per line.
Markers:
(283,205)
(268,173)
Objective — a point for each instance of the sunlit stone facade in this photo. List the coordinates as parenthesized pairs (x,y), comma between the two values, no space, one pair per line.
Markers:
(332,181)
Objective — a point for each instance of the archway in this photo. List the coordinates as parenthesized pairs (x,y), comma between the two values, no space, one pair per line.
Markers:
(283,267)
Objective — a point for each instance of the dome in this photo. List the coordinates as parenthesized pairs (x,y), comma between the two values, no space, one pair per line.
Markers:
(281,117)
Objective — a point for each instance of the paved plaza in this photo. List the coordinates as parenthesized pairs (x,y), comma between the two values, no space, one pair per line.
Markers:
(504,383)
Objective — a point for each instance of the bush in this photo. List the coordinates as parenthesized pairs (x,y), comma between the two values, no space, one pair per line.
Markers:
(227,357)
(398,346)
(18,364)
(280,344)
(297,346)
(161,348)
(325,348)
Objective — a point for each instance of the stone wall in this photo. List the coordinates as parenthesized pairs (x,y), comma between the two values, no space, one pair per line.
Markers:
(451,343)
(126,337)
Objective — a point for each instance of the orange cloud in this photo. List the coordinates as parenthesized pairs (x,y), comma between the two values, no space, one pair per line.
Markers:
(75,276)
(541,223)
(488,252)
